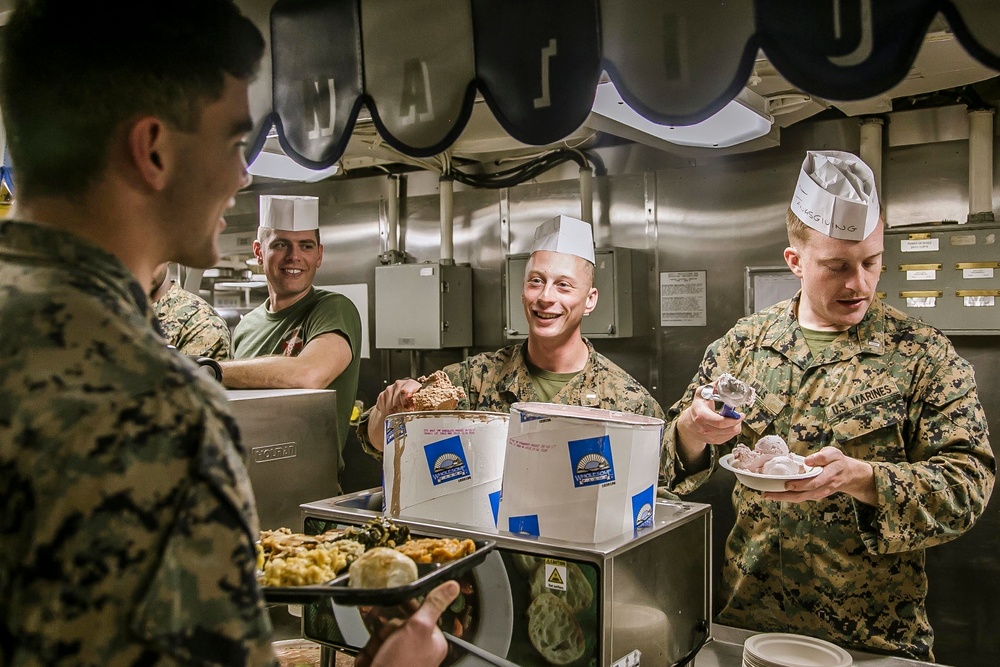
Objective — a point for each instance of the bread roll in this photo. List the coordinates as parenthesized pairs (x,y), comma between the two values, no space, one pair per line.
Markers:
(553,630)
(382,567)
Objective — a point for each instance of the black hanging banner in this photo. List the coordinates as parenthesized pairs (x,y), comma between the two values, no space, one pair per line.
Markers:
(419,71)
(976,24)
(844,49)
(316,77)
(677,63)
(538,64)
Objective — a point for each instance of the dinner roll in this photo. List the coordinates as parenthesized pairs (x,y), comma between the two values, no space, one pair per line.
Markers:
(382,567)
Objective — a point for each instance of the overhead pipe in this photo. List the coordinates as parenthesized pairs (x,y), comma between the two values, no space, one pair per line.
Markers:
(871,149)
(587,194)
(447,189)
(390,192)
(981,165)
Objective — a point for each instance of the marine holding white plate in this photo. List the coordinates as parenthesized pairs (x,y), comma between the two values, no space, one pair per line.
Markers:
(878,399)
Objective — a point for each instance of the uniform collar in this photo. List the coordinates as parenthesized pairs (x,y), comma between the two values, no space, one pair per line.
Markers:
(867,337)
(51,246)
(515,379)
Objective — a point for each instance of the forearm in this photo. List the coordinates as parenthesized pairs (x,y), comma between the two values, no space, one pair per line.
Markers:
(271,373)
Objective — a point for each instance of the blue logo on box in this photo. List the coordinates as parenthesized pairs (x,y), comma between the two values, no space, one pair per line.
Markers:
(526,417)
(591,460)
(446,460)
(525,525)
(642,509)
(495,504)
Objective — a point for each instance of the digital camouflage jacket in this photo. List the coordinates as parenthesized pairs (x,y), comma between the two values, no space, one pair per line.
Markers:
(128,518)
(891,391)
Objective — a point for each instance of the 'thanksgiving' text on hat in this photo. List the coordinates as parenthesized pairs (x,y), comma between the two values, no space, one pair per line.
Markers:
(289,213)
(566,235)
(836,196)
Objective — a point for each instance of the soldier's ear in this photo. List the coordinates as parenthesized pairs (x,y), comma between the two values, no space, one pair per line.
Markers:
(147,151)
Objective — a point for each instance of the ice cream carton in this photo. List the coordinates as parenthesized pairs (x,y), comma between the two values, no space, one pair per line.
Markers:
(445,466)
(579,474)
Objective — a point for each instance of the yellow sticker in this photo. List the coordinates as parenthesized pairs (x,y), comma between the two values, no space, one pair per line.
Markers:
(555,574)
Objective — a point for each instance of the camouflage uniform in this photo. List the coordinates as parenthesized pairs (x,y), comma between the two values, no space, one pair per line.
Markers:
(127,514)
(892,391)
(192,325)
(494,380)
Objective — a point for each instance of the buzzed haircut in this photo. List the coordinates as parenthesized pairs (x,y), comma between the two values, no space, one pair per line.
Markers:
(71,72)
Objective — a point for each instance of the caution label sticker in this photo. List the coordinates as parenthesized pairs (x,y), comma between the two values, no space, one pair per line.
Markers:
(555,574)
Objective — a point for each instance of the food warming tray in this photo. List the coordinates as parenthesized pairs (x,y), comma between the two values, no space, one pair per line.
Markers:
(338,589)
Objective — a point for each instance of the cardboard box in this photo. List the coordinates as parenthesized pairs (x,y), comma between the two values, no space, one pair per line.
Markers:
(579,474)
(445,466)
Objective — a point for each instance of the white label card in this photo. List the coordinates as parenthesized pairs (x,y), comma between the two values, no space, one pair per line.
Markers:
(978,301)
(972,274)
(921,301)
(920,245)
(921,275)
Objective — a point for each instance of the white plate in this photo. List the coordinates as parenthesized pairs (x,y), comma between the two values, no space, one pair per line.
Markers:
(761,482)
(779,649)
(495,625)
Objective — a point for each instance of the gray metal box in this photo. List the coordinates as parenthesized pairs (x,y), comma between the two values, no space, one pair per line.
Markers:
(651,590)
(618,277)
(290,437)
(945,275)
(423,306)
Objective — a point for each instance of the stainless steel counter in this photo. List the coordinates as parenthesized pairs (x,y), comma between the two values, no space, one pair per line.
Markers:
(725,649)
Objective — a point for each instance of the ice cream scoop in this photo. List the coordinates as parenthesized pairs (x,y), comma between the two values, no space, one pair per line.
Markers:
(731,392)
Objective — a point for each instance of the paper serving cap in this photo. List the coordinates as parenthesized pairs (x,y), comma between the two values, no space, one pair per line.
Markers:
(836,196)
(566,235)
(289,213)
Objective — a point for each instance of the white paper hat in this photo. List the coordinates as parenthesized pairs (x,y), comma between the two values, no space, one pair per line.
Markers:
(566,235)
(289,213)
(836,196)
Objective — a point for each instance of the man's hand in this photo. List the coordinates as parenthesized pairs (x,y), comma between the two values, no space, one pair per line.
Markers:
(840,473)
(699,426)
(394,398)
(415,641)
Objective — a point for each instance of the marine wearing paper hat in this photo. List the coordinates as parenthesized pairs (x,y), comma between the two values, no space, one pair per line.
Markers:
(566,235)
(836,196)
(289,213)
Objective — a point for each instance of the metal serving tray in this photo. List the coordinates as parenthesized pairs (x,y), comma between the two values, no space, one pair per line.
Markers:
(338,589)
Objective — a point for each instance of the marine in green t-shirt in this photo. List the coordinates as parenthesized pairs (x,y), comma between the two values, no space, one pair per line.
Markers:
(300,337)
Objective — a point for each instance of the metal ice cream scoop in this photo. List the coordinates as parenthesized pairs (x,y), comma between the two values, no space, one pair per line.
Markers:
(731,392)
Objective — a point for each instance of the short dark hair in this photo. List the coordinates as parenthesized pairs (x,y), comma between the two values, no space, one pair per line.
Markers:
(72,72)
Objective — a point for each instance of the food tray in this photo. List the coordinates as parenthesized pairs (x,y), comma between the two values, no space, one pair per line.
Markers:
(429,575)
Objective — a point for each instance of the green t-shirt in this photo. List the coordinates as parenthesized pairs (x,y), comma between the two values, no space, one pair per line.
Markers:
(261,333)
(818,340)
(546,383)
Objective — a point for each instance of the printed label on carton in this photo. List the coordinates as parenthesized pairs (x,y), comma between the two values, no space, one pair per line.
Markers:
(446,460)
(642,509)
(591,460)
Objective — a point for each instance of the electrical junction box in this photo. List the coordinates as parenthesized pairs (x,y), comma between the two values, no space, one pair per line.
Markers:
(424,306)
(946,275)
(618,277)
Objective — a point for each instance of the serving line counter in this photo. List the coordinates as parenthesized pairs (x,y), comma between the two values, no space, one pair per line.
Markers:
(601,604)
(642,599)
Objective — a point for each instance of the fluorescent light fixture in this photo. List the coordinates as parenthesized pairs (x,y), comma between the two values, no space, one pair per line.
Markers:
(274,165)
(743,119)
